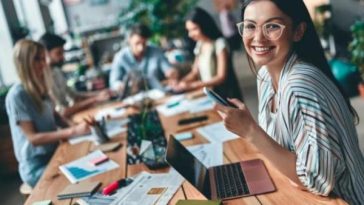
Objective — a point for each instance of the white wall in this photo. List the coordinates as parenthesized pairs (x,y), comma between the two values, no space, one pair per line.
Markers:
(8,72)
(58,16)
(34,18)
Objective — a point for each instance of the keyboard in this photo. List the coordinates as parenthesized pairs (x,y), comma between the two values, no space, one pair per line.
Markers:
(230,181)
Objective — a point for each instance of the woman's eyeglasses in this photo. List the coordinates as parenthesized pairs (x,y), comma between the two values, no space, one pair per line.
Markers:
(271,31)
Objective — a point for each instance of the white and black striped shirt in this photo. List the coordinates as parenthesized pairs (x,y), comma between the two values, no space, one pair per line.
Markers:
(313,120)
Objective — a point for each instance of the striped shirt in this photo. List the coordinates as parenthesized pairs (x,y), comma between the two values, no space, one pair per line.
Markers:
(312,120)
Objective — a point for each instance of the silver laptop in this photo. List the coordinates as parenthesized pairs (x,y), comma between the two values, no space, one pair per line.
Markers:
(227,181)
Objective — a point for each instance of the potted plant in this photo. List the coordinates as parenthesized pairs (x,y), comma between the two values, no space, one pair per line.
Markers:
(164,18)
(356,48)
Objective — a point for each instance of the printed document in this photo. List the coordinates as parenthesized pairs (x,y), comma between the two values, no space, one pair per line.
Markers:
(150,189)
(83,168)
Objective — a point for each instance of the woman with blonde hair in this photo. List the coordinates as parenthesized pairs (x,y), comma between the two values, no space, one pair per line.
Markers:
(31,114)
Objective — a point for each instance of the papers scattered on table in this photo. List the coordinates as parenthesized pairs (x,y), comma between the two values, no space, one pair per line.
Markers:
(216,133)
(178,104)
(156,189)
(174,106)
(113,128)
(154,94)
(110,112)
(81,168)
(83,138)
(209,154)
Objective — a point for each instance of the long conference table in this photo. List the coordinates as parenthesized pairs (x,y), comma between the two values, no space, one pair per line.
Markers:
(53,181)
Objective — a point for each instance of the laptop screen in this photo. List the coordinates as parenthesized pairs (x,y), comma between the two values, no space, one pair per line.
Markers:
(188,166)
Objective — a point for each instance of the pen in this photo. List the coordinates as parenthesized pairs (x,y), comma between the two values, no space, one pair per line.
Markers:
(115,185)
(173,104)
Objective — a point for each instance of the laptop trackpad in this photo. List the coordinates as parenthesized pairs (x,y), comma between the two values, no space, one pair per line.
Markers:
(257,177)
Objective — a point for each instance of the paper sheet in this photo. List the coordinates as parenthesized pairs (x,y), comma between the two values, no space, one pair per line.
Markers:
(216,133)
(178,104)
(82,168)
(153,94)
(111,112)
(150,189)
(209,154)
(201,104)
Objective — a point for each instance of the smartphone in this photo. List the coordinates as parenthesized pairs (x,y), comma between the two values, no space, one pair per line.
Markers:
(217,98)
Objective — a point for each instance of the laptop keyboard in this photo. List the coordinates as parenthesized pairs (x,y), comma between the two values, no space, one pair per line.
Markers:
(230,181)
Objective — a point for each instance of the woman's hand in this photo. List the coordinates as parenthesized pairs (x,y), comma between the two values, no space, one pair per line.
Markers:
(172,74)
(81,129)
(103,96)
(180,87)
(238,120)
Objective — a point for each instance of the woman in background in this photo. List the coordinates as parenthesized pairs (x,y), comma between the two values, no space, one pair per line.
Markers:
(31,114)
(212,66)
(306,124)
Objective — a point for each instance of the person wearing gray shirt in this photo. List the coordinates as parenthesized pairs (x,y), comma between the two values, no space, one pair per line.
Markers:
(34,130)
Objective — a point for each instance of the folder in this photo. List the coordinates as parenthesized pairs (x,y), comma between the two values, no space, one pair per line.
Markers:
(83,189)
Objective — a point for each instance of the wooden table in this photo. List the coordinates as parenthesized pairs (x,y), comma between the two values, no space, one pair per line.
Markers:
(53,181)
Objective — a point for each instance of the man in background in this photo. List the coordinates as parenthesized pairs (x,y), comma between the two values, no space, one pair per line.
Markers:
(67,101)
(138,56)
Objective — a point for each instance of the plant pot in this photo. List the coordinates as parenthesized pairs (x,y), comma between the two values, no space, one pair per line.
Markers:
(361,89)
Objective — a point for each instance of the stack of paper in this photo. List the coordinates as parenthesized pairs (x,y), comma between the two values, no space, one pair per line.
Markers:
(216,133)
(82,168)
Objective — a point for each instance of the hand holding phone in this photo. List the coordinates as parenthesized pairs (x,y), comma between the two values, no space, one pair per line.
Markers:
(217,98)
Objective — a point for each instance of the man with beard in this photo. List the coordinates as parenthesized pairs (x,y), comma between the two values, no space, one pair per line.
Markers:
(67,102)
(142,58)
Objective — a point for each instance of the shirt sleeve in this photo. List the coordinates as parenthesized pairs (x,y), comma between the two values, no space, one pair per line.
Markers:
(117,71)
(315,140)
(220,44)
(18,107)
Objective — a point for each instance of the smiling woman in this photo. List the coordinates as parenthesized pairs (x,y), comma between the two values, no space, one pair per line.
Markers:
(306,125)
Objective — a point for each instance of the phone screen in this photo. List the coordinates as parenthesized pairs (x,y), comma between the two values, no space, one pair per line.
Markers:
(217,98)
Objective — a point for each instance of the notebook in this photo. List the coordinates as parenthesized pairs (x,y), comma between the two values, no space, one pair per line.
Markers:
(79,190)
(199,202)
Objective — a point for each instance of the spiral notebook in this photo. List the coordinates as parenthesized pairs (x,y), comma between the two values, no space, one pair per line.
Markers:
(79,190)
